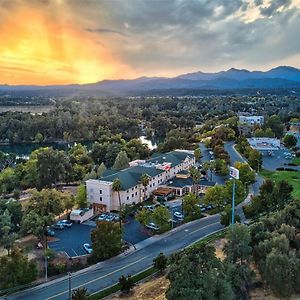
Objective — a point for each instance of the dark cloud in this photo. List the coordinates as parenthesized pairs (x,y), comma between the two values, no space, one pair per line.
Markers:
(274,6)
(105,30)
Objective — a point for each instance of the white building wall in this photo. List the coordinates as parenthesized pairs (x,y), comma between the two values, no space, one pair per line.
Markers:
(101,192)
(251,120)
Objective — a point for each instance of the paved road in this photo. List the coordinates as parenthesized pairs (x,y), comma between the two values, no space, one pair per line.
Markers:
(107,273)
(234,157)
(104,274)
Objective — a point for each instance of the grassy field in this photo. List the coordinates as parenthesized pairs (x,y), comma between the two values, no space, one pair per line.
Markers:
(296,161)
(292,177)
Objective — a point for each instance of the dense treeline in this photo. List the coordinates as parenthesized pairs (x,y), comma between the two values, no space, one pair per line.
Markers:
(89,119)
(270,246)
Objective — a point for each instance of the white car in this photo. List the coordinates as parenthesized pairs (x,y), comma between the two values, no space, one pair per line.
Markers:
(152,226)
(65,223)
(178,215)
(102,217)
(88,248)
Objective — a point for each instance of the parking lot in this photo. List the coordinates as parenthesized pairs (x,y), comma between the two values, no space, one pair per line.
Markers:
(277,160)
(71,240)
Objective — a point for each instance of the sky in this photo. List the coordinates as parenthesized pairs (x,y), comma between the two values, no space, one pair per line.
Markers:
(80,41)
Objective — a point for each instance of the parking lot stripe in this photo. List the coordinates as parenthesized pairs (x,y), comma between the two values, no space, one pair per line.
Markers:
(96,279)
(74,252)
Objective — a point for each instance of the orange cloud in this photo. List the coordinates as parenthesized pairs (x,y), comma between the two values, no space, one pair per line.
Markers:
(43,47)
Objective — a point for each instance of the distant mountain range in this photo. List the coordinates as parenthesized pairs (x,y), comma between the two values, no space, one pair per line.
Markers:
(282,77)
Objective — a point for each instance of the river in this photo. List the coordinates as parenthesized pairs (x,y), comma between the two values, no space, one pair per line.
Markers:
(24,150)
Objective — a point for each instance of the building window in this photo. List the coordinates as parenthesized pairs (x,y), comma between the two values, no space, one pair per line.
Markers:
(132,189)
(100,198)
(100,191)
(127,197)
(136,193)
(132,195)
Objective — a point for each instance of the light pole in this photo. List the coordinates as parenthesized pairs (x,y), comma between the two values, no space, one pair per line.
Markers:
(233,200)
(70,287)
(234,174)
(46,268)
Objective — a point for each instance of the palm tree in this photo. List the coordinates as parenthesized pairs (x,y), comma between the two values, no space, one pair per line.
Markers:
(196,176)
(80,294)
(117,187)
(145,181)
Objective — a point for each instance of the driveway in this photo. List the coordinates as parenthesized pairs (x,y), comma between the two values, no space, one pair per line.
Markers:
(206,157)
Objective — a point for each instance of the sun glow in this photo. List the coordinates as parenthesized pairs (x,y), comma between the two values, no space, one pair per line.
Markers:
(37,48)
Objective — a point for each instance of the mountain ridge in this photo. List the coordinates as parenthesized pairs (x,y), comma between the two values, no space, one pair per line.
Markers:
(281,77)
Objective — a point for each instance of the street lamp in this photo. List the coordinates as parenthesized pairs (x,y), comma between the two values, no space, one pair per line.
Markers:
(46,267)
(70,287)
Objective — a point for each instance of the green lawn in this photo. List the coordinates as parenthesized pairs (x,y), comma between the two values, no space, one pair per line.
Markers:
(291,177)
(296,161)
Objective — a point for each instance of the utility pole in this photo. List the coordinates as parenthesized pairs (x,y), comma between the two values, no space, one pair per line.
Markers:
(46,268)
(233,200)
(70,287)
(234,174)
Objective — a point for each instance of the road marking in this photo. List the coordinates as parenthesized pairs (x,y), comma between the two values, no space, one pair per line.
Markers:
(74,252)
(96,279)
(203,227)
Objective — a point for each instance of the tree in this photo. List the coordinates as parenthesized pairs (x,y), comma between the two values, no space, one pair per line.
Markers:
(122,161)
(238,249)
(144,216)
(160,262)
(198,274)
(101,169)
(190,208)
(51,166)
(126,284)
(7,236)
(81,198)
(161,217)
(209,165)
(215,195)
(226,216)
(8,180)
(80,294)
(106,240)
(16,270)
(145,181)
(247,176)
(290,140)
(117,187)
(221,167)
(196,176)
(197,153)
(255,159)
(276,125)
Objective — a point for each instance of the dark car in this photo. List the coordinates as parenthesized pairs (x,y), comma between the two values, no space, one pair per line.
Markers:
(50,232)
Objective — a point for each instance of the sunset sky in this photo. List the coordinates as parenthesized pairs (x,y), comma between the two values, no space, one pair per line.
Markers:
(80,41)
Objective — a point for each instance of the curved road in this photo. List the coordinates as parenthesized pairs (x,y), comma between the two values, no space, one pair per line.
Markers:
(107,273)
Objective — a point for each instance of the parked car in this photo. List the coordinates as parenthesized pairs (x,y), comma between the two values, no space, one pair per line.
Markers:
(50,232)
(165,204)
(150,207)
(58,226)
(65,223)
(152,226)
(88,248)
(178,215)
(109,218)
(102,217)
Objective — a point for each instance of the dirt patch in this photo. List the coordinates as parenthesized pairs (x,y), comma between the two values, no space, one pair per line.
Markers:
(152,289)
(219,245)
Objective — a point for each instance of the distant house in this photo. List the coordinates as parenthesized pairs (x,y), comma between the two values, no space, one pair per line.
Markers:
(160,169)
(251,120)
